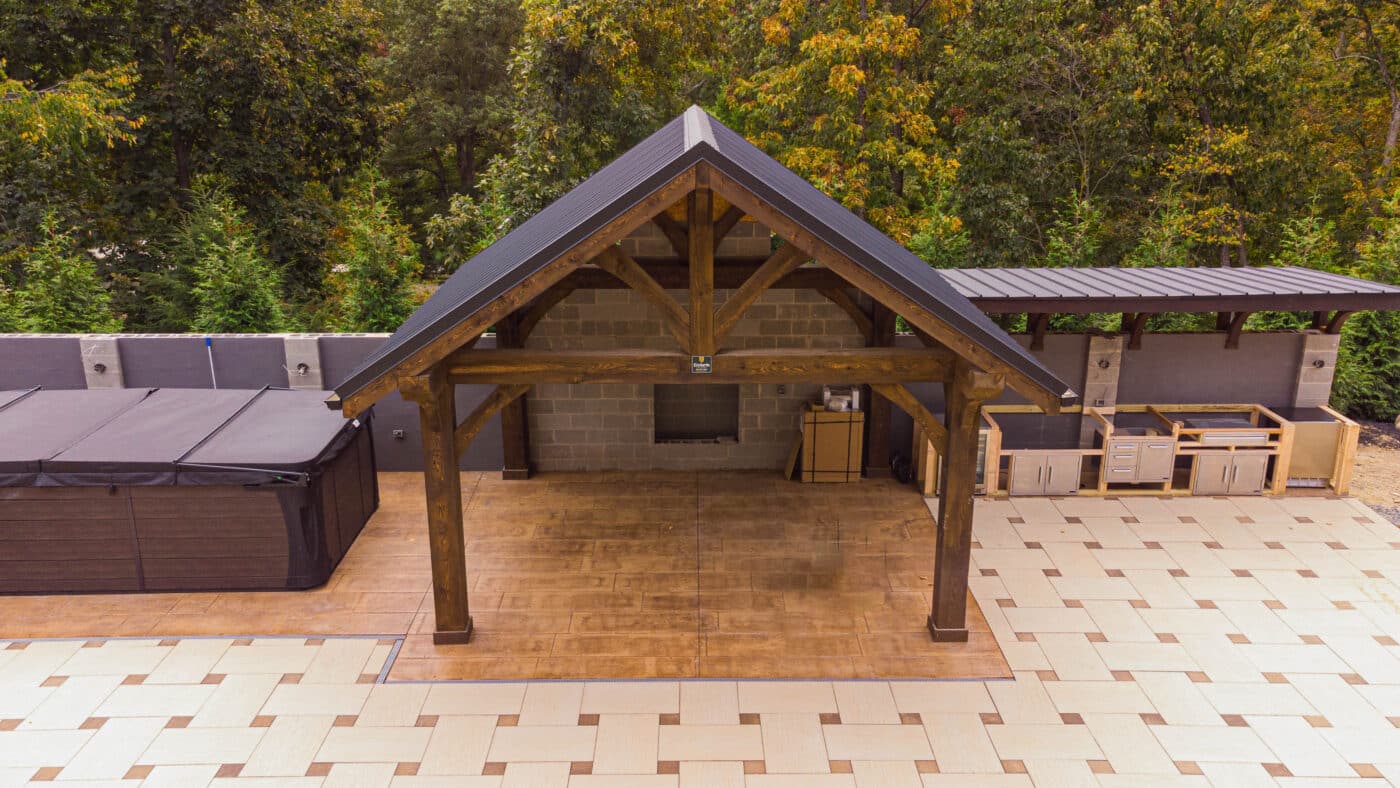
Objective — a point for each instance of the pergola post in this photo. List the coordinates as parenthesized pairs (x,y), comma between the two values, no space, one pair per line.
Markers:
(964,394)
(877,442)
(515,426)
(437,415)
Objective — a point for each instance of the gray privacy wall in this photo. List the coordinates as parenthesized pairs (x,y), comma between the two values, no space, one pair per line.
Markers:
(1277,369)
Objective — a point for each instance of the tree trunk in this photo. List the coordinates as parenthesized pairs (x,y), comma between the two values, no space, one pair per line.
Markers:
(180,144)
(466,162)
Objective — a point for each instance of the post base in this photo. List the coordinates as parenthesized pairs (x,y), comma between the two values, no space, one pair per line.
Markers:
(455,637)
(515,474)
(948,634)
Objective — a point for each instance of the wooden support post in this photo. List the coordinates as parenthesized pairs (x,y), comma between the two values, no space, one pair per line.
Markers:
(877,422)
(1132,325)
(515,425)
(964,396)
(437,415)
(1234,328)
(702,272)
(1038,321)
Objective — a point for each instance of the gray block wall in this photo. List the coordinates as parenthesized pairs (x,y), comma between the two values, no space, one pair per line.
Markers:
(595,427)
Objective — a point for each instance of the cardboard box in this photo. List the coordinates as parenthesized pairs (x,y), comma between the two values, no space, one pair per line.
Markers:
(831,445)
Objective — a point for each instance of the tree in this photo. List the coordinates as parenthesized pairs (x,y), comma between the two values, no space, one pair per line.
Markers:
(61,291)
(375,261)
(49,138)
(838,98)
(1367,382)
(446,73)
(231,287)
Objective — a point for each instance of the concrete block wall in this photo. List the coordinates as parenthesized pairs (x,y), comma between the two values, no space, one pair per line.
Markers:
(611,426)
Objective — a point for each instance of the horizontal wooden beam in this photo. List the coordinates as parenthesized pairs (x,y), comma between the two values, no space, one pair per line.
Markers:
(863,365)
(730,274)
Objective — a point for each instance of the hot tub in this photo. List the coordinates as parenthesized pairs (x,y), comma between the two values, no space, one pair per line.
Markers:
(178,489)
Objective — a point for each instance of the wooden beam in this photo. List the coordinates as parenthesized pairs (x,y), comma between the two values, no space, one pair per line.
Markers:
(783,262)
(1234,328)
(675,233)
(1334,326)
(730,274)
(877,407)
(842,299)
(702,272)
(1038,321)
(444,344)
(1132,325)
(621,265)
(726,222)
(964,396)
(818,365)
(901,396)
(515,420)
(502,396)
(538,308)
(859,277)
(437,415)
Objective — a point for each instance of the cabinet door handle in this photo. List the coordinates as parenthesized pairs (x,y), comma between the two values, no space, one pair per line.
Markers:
(1156,445)
(1224,474)
(1050,477)
(1039,474)
(1234,473)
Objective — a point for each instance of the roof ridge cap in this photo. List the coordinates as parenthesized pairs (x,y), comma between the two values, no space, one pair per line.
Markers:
(697,128)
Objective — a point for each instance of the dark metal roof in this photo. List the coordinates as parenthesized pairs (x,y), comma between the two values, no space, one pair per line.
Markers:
(693,137)
(1085,290)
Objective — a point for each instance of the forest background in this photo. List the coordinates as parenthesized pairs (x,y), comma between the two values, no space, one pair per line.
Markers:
(270,165)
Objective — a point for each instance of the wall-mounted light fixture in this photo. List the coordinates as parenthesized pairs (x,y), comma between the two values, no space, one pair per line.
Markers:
(1104,363)
(1319,363)
(99,368)
(303,368)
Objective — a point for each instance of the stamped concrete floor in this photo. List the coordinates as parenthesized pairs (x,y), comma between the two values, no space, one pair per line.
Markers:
(1183,642)
(650,575)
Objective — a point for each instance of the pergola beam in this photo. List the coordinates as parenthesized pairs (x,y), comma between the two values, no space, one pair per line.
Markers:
(619,264)
(783,262)
(497,400)
(861,365)
(901,396)
(864,324)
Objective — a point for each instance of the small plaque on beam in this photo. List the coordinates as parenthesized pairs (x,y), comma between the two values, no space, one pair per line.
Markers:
(702,365)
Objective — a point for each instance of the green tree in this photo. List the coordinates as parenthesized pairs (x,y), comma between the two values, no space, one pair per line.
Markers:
(231,286)
(447,79)
(375,261)
(61,291)
(1367,383)
(838,97)
(50,136)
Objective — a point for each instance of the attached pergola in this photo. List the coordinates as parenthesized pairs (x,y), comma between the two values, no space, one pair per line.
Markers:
(573,243)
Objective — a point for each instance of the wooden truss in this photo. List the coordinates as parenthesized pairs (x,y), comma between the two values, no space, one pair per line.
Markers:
(700,330)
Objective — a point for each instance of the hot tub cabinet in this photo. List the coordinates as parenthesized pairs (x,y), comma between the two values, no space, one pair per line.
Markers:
(177,490)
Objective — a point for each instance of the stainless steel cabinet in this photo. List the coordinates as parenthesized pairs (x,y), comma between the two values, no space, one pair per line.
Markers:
(1139,460)
(1045,473)
(1230,473)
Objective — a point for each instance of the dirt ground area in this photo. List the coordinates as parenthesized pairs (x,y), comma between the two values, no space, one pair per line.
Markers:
(1376,481)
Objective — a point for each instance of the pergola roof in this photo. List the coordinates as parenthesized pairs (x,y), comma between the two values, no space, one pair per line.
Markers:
(1085,290)
(691,139)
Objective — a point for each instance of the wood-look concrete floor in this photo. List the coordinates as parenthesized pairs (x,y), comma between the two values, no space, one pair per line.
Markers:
(601,575)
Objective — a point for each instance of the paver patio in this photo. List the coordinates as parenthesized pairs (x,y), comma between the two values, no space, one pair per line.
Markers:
(1227,642)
